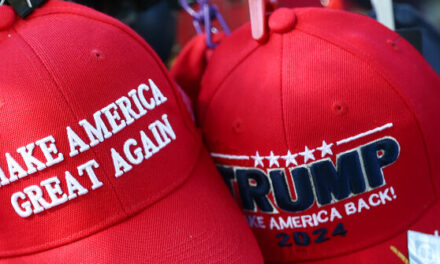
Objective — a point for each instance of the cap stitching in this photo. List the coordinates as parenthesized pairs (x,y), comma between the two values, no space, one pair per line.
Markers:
(283,109)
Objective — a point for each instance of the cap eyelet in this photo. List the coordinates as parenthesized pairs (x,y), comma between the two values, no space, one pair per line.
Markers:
(98,54)
(238,126)
(339,108)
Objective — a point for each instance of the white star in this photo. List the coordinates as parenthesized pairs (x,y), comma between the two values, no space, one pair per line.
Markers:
(258,160)
(307,154)
(273,159)
(289,158)
(325,149)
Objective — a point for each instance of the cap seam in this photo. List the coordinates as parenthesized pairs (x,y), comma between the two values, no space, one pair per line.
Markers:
(218,87)
(283,109)
(283,121)
(107,20)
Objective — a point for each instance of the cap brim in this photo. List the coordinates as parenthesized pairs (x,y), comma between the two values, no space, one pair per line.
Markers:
(197,223)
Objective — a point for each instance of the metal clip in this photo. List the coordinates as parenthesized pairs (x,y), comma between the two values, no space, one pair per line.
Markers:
(204,16)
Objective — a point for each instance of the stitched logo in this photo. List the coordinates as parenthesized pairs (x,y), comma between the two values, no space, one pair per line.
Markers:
(313,190)
(321,182)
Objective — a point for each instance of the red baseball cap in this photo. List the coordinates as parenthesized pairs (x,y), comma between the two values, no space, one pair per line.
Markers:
(327,135)
(101,162)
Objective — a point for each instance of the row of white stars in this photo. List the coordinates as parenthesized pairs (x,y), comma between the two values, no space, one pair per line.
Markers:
(307,153)
(326,149)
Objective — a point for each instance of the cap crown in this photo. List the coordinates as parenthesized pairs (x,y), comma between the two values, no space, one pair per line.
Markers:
(326,135)
(92,128)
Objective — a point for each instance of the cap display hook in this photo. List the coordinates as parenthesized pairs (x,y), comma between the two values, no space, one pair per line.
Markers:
(257,11)
(384,12)
(204,16)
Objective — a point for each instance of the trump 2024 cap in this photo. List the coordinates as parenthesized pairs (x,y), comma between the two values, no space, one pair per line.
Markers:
(327,135)
(100,161)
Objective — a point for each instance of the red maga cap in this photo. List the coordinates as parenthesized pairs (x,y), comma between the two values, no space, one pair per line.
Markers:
(101,162)
(327,135)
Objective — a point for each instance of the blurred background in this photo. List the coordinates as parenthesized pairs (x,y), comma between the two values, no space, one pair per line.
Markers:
(167,27)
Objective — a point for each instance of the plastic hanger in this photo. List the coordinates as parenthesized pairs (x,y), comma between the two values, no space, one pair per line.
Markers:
(204,16)
(258,10)
(384,12)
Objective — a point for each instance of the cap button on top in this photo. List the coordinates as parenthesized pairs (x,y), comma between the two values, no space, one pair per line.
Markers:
(7,17)
(282,20)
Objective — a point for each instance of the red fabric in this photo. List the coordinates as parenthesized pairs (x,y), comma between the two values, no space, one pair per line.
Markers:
(336,75)
(66,63)
(190,226)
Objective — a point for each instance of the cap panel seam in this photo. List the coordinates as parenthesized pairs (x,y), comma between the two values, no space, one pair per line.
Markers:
(283,119)
(218,87)
(283,105)
(58,88)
